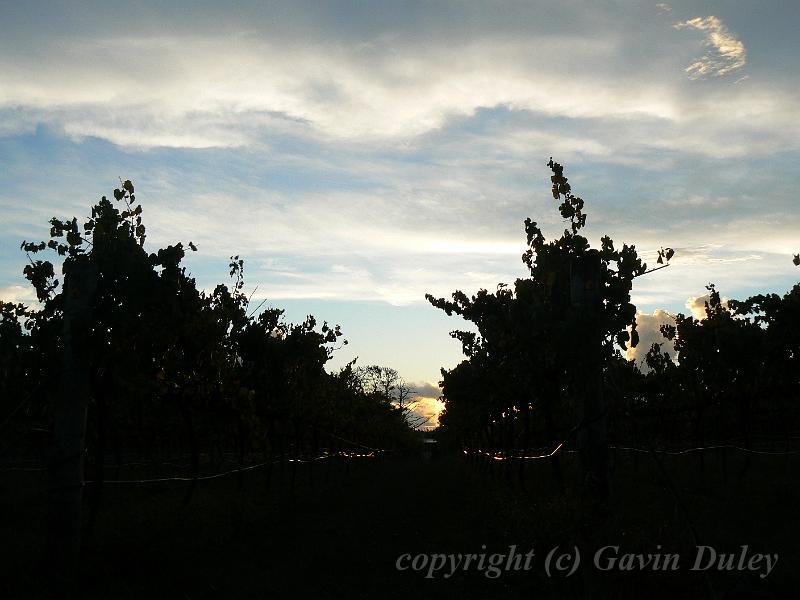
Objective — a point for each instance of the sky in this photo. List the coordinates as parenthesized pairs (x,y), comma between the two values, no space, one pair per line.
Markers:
(359,155)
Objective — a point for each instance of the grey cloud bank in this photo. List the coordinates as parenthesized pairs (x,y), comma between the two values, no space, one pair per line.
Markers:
(152,78)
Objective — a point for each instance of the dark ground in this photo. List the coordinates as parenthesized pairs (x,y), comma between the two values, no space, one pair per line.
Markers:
(341,538)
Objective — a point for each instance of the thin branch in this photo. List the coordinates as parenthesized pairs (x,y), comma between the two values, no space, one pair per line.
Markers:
(250,297)
(651,270)
(255,310)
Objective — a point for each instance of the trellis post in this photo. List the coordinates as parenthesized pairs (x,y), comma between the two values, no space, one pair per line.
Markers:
(69,429)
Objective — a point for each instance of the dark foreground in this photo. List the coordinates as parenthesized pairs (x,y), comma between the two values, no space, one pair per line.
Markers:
(340,535)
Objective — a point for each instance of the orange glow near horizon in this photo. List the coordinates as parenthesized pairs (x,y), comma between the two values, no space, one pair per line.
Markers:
(429,406)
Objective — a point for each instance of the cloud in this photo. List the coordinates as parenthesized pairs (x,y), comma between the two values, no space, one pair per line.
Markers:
(198,91)
(697,305)
(19,294)
(396,284)
(663,8)
(337,92)
(281,72)
(428,408)
(648,326)
(426,403)
(426,389)
(726,53)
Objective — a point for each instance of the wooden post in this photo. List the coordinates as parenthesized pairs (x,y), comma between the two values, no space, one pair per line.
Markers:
(586,301)
(69,429)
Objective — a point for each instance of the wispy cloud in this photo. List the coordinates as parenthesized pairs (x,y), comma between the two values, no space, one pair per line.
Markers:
(726,53)
(255,82)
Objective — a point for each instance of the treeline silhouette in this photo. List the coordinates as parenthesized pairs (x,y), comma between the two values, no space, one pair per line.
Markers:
(129,368)
(545,376)
(177,371)
(127,373)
